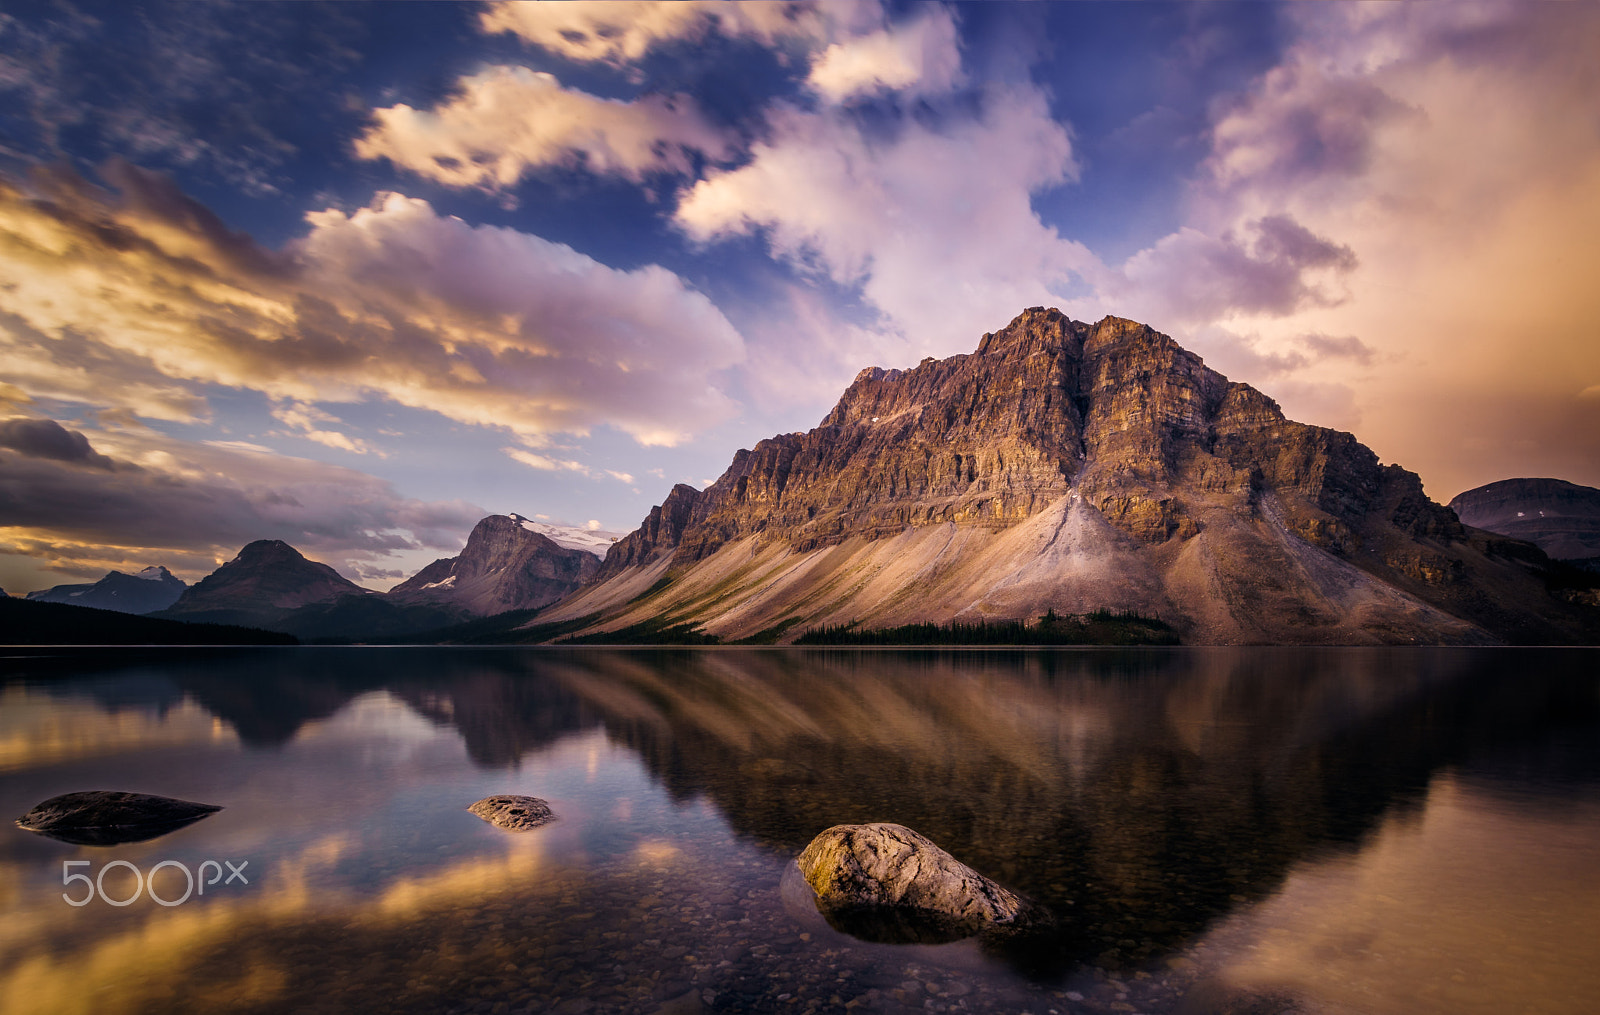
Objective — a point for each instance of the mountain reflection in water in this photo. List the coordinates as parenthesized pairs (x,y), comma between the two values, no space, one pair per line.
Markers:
(1184,813)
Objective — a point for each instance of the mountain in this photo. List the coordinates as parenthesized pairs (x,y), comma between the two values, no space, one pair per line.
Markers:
(154,588)
(507,564)
(267,583)
(1561,518)
(1072,467)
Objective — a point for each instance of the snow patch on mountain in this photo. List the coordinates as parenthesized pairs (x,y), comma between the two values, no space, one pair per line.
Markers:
(596,541)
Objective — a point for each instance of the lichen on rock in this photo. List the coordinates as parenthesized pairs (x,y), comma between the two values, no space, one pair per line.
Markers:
(512,812)
(886,882)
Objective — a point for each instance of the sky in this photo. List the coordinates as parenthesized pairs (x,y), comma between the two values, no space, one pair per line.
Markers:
(354,276)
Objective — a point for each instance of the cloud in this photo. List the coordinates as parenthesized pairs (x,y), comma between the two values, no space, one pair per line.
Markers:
(136,303)
(929,222)
(1339,347)
(176,86)
(621,31)
(307,420)
(920,56)
(545,463)
(1270,269)
(158,499)
(45,438)
(505,122)
(1437,174)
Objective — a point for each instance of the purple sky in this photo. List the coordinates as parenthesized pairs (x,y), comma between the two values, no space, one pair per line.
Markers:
(354,276)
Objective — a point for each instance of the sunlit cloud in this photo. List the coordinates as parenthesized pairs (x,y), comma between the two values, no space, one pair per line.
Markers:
(622,31)
(1441,168)
(932,225)
(921,55)
(305,420)
(506,122)
(545,463)
(484,325)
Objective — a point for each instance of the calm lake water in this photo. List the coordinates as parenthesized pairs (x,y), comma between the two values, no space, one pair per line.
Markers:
(1215,830)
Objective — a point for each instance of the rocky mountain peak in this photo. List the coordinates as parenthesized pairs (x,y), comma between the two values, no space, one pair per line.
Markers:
(1073,466)
(265,573)
(506,565)
(266,552)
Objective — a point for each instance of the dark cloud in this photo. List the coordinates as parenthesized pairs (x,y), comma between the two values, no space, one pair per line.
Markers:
(1301,125)
(45,438)
(1339,347)
(214,500)
(1271,267)
(234,90)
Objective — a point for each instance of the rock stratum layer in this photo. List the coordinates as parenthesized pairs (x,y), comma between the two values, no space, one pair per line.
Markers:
(1073,467)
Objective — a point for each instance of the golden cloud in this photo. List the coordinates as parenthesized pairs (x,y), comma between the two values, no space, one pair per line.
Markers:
(133,303)
(508,121)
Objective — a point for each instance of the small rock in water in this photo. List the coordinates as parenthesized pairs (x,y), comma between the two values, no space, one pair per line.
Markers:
(110,818)
(512,812)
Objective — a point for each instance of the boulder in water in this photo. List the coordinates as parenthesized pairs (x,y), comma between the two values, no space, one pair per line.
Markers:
(110,818)
(512,812)
(886,882)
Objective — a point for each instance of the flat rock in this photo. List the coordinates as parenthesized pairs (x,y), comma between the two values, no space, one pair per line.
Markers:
(512,812)
(886,882)
(109,817)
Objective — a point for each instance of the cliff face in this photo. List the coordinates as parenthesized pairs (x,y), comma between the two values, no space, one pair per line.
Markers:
(504,566)
(658,535)
(1074,466)
(1562,518)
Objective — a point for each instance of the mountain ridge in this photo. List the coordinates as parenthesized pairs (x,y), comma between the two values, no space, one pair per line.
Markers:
(1561,518)
(146,591)
(1072,467)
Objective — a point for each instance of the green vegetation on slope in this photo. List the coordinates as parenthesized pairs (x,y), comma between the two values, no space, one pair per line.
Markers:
(1101,627)
(650,632)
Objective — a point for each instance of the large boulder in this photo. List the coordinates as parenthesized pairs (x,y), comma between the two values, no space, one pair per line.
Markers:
(109,817)
(885,882)
(512,812)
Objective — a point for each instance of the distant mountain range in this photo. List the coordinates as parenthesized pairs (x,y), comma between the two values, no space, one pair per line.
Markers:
(154,588)
(507,564)
(1061,467)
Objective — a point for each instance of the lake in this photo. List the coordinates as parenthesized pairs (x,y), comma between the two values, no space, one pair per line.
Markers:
(1237,831)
